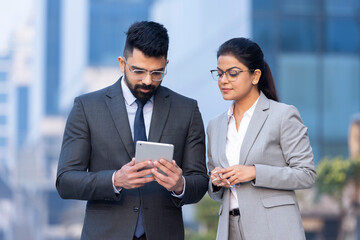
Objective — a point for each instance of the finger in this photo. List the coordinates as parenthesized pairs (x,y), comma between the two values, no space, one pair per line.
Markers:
(141,165)
(143,173)
(215,181)
(144,180)
(166,163)
(165,168)
(160,176)
(215,172)
(225,170)
(225,184)
(229,174)
(131,163)
(233,180)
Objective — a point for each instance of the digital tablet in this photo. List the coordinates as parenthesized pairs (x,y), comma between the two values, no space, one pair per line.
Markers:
(153,151)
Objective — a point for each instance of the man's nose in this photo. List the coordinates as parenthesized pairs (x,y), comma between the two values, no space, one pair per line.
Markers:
(147,80)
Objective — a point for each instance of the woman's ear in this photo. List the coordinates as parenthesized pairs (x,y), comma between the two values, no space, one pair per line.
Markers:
(256,76)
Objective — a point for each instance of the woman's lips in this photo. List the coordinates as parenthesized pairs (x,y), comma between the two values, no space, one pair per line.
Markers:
(225,90)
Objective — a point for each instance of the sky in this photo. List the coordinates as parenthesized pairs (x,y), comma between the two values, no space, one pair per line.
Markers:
(13,15)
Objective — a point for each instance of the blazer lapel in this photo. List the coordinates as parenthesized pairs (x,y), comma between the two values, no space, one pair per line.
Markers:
(115,101)
(160,114)
(257,121)
(223,128)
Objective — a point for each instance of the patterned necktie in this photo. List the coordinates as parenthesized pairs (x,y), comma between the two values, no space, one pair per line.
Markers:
(139,135)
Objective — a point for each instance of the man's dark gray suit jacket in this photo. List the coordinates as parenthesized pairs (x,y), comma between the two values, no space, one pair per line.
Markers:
(98,140)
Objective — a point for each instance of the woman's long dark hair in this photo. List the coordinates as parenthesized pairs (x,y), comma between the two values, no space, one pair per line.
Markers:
(251,55)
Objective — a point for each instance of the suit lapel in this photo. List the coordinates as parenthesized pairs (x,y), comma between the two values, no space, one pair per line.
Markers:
(257,121)
(223,128)
(160,114)
(115,101)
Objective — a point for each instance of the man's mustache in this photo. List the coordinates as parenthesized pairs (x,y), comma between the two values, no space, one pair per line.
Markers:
(145,87)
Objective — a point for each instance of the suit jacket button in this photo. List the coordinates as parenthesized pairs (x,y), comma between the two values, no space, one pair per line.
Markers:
(136,209)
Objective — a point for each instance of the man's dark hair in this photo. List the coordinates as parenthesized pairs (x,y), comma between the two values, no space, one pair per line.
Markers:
(149,37)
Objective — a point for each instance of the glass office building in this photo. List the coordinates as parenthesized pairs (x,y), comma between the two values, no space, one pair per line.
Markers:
(313,49)
(109,20)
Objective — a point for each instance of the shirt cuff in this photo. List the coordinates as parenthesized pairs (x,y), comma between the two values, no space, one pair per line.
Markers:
(117,190)
(182,194)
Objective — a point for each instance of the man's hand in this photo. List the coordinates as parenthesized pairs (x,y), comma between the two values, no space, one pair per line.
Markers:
(129,176)
(174,180)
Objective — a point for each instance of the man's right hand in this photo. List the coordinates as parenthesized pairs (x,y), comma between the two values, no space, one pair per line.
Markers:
(129,176)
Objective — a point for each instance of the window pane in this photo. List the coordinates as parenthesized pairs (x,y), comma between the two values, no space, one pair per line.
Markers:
(263,32)
(342,36)
(297,85)
(264,5)
(343,7)
(3,76)
(341,94)
(2,120)
(109,21)
(3,98)
(2,142)
(298,6)
(298,35)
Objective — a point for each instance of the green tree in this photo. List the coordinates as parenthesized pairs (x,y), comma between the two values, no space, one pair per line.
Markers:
(207,215)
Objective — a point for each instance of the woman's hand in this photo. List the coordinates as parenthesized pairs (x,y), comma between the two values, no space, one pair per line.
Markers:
(238,174)
(217,178)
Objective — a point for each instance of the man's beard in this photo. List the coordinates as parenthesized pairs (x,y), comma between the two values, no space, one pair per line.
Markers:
(135,90)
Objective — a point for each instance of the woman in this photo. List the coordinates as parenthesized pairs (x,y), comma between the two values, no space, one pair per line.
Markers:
(258,151)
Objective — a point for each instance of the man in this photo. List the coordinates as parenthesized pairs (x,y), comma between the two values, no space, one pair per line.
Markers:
(96,161)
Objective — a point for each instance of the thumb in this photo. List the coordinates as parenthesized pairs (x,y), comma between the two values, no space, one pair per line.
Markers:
(131,163)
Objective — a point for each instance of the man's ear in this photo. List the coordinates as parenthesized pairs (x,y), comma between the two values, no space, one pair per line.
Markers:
(121,61)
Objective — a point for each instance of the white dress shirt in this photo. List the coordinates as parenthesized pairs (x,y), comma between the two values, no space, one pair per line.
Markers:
(131,108)
(234,140)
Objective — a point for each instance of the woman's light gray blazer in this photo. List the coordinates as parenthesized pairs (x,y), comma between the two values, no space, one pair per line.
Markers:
(277,144)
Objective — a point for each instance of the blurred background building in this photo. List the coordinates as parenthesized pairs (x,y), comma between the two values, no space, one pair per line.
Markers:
(64,48)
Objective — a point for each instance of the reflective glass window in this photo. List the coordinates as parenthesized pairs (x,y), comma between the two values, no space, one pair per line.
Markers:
(264,5)
(3,98)
(298,6)
(298,85)
(3,76)
(341,94)
(263,32)
(342,35)
(3,142)
(2,120)
(298,35)
(343,7)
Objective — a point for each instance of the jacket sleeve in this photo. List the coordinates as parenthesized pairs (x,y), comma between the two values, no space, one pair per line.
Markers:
(294,142)
(194,163)
(74,181)
(215,195)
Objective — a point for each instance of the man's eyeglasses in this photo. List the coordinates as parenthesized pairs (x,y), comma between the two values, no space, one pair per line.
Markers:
(140,74)
(232,74)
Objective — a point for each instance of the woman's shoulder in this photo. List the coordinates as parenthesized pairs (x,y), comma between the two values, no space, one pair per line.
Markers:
(282,107)
(219,117)
(216,121)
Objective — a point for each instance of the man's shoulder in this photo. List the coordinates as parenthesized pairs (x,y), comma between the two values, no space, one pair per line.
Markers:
(95,95)
(177,97)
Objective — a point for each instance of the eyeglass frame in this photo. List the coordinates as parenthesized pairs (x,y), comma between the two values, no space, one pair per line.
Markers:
(219,78)
(163,73)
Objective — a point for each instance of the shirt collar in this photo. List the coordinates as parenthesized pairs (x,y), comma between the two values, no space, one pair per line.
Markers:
(128,96)
(248,113)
